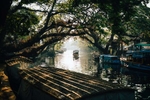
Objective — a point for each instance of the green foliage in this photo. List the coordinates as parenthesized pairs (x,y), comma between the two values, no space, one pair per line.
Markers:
(102,20)
(18,23)
(117,16)
(64,6)
(34,1)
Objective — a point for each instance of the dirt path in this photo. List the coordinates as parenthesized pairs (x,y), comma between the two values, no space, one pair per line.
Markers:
(5,90)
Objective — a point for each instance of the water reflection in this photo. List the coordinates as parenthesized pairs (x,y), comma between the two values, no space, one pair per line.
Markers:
(136,77)
(81,65)
(109,72)
(67,61)
(140,81)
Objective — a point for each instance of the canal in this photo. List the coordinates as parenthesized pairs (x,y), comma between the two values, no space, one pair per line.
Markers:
(140,81)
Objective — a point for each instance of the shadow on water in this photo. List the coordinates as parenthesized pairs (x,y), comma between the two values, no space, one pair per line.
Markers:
(140,81)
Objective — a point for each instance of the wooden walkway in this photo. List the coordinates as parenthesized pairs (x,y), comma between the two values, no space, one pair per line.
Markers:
(66,84)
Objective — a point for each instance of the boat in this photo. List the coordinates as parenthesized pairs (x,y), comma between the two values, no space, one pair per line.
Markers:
(138,58)
(109,59)
(75,51)
(58,84)
(75,54)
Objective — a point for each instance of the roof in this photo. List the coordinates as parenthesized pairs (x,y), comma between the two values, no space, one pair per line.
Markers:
(67,84)
(108,55)
(142,44)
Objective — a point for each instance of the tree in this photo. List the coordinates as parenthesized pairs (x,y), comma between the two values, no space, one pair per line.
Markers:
(25,27)
(4,8)
(141,23)
(94,20)
(116,14)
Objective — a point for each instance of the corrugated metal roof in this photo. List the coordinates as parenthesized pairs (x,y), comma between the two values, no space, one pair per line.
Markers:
(66,84)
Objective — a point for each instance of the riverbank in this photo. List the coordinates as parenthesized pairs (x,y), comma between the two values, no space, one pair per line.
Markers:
(5,90)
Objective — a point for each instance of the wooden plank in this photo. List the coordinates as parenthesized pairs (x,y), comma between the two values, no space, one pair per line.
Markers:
(58,83)
(63,83)
(76,82)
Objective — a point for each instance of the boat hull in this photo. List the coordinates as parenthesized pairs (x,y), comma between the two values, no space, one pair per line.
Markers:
(109,59)
(137,66)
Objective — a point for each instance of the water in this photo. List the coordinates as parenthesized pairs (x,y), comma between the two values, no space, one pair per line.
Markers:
(83,64)
(140,81)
